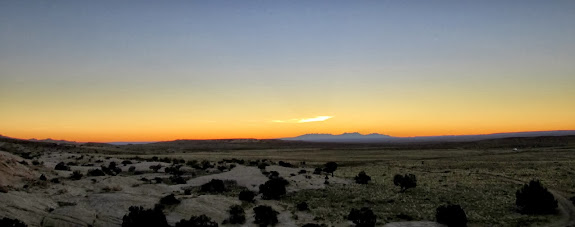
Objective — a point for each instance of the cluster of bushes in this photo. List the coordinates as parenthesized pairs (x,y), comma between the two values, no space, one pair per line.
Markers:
(273,188)
(155,168)
(8,222)
(234,160)
(197,221)
(174,170)
(139,216)
(112,169)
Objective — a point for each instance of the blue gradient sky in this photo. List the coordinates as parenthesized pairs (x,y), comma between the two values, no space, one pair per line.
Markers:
(152,70)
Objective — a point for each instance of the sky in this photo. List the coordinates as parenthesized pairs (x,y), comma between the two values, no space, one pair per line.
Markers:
(164,70)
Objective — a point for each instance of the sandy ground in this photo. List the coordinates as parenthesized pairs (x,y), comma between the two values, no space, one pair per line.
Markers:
(104,200)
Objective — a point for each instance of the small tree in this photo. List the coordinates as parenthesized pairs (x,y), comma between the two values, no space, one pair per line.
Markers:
(451,215)
(273,188)
(237,215)
(405,182)
(330,167)
(139,216)
(247,196)
(362,178)
(197,221)
(533,198)
(363,217)
(265,215)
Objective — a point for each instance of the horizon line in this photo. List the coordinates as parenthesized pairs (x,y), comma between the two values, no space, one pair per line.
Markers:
(248,138)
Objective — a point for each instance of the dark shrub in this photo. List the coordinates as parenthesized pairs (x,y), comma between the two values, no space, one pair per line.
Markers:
(311,225)
(362,178)
(247,196)
(72,163)
(132,169)
(262,165)
(113,167)
(177,180)
(55,180)
(197,221)
(76,175)
(405,182)
(302,171)
(302,206)
(187,191)
(451,215)
(214,185)
(533,198)
(175,170)
(126,162)
(317,171)
(23,162)
(363,217)
(35,162)
(206,165)
(12,223)
(95,172)
(330,167)
(43,178)
(265,215)
(237,215)
(274,188)
(169,200)
(155,168)
(285,164)
(273,175)
(192,163)
(222,168)
(61,166)
(572,200)
(139,216)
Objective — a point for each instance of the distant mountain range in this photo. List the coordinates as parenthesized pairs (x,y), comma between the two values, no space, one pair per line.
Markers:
(379,138)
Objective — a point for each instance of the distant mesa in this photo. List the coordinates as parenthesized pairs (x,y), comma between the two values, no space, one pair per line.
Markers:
(345,137)
(380,138)
(49,140)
